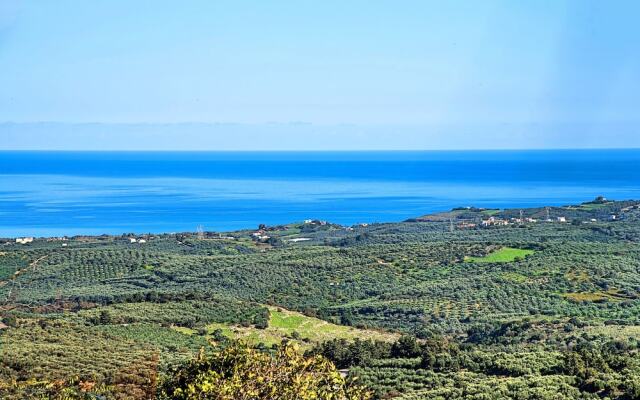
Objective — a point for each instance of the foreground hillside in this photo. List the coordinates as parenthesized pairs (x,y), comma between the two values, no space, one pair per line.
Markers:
(534,303)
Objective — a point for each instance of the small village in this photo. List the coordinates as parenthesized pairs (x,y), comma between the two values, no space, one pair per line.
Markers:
(495,221)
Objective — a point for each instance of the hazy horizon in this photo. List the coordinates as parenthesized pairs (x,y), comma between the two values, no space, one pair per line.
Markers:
(329,76)
(308,137)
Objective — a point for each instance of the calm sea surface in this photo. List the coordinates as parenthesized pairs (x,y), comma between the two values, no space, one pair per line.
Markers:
(67,193)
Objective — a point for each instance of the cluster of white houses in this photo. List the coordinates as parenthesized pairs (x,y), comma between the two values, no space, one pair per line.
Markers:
(493,221)
(524,220)
(260,235)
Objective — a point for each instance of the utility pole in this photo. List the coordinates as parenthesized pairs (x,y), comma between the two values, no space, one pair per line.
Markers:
(450,224)
(200,232)
(548,217)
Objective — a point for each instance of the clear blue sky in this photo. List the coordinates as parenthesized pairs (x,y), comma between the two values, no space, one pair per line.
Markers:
(535,67)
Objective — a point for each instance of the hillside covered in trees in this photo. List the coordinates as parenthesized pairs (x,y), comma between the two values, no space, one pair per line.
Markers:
(468,304)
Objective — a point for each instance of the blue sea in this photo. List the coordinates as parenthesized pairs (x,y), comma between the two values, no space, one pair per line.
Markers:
(69,193)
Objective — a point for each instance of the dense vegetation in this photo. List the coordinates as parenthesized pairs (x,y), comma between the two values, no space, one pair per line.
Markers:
(528,310)
(239,372)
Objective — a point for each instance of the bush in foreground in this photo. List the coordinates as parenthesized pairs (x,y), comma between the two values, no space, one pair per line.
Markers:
(240,372)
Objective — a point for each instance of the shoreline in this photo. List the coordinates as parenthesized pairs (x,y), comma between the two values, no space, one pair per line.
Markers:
(586,210)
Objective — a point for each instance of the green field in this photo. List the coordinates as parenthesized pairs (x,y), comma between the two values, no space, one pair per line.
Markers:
(490,212)
(285,324)
(505,254)
(591,207)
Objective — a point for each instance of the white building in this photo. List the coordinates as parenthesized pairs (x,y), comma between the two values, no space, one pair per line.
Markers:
(492,221)
(295,240)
